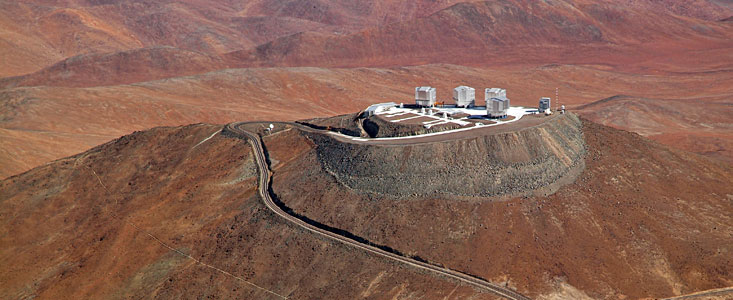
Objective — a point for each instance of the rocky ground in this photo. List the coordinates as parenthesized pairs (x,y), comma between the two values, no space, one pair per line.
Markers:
(510,163)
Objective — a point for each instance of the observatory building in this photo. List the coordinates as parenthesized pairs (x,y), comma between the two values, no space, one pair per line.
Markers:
(495,93)
(497,104)
(464,96)
(434,116)
(497,107)
(544,104)
(425,96)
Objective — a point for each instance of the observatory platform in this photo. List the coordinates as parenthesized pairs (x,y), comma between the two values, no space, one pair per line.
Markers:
(458,117)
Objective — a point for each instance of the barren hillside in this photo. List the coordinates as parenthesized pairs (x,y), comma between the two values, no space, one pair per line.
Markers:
(641,221)
(699,124)
(171,213)
(628,196)
(40,124)
(138,65)
(510,31)
(36,34)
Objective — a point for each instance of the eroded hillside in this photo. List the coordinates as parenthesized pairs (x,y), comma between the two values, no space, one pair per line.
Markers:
(642,220)
(132,217)
(173,213)
(35,34)
(532,156)
(510,32)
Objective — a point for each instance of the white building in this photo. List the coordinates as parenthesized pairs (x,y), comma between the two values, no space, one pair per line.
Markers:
(379,107)
(425,96)
(464,96)
(494,93)
(497,107)
(544,104)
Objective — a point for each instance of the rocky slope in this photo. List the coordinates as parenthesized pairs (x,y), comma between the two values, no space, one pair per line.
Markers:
(531,160)
(509,31)
(138,65)
(36,34)
(132,217)
(672,50)
(641,220)
(173,213)
(701,124)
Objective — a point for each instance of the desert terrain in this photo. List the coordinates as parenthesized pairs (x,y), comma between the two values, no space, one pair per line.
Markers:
(125,61)
(658,106)
(617,229)
(207,234)
(97,99)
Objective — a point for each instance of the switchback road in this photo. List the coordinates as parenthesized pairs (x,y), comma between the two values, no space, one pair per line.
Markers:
(264,190)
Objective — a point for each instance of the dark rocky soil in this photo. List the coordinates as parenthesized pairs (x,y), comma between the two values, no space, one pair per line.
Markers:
(378,127)
(346,124)
(510,163)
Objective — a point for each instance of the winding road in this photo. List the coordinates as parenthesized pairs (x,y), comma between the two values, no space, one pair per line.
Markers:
(264,184)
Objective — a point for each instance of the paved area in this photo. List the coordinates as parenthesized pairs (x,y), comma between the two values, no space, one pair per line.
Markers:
(526,121)
(433,116)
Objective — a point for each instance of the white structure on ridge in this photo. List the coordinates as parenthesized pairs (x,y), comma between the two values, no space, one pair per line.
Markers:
(425,96)
(495,93)
(497,104)
(544,104)
(464,96)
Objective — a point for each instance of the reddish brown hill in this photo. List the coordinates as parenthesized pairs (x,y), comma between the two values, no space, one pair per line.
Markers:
(641,221)
(702,125)
(128,218)
(702,9)
(351,14)
(505,31)
(35,34)
(123,67)
(383,33)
